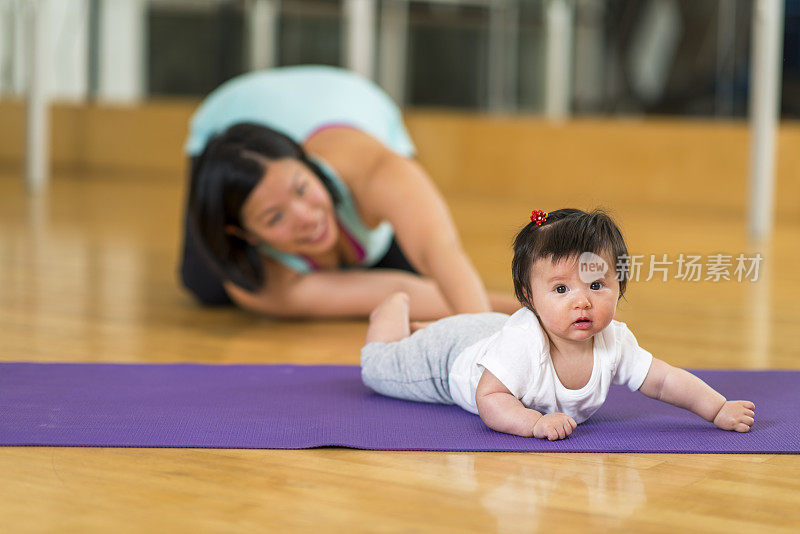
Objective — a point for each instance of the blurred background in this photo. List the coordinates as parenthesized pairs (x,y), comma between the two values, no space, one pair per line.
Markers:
(595,57)
(644,107)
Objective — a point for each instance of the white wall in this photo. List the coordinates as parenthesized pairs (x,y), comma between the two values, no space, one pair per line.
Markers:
(65,24)
(66,56)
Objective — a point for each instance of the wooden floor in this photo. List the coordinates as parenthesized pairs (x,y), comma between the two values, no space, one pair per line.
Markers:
(88,274)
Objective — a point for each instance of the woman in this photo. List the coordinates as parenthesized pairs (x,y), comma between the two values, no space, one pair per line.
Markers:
(325,228)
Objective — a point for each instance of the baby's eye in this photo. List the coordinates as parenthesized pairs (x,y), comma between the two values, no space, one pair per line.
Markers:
(561,288)
(275,219)
(597,285)
(301,190)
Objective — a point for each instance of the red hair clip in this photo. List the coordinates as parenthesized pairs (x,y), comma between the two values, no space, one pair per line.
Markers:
(538,217)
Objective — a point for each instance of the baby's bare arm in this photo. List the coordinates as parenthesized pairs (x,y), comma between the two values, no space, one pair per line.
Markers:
(502,411)
(681,388)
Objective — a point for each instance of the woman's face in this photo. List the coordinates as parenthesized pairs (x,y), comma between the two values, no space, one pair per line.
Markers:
(290,210)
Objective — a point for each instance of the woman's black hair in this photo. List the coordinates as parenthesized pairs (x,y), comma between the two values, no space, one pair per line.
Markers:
(567,233)
(221,179)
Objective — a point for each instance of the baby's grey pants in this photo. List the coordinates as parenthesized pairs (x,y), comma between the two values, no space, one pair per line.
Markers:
(418,367)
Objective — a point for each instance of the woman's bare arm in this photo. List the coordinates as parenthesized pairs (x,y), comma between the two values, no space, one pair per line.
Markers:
(400,191)
(387,186)
(340,294)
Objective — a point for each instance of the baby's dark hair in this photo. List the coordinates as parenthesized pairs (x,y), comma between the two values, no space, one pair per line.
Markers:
(567,233)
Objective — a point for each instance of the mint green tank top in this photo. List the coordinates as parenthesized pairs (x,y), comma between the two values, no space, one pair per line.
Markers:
(298,101)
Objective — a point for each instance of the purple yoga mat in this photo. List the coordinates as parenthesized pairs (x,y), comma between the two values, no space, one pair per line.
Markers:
(296,407)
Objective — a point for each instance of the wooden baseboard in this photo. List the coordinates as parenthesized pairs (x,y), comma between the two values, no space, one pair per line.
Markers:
(582,160)
(145,137)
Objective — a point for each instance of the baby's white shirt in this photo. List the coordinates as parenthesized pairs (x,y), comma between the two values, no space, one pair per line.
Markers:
(519,356)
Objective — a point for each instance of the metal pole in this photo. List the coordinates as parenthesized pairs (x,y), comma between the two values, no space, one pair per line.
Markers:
(122,75)
(359,22)
(765,81)
(37,132)
(393,45)
(263,33)
(559,15)
(93,67)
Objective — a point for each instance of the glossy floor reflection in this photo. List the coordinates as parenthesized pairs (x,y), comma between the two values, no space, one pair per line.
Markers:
(89,274)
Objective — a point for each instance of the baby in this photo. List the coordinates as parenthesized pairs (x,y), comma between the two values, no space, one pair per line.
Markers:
(547,367)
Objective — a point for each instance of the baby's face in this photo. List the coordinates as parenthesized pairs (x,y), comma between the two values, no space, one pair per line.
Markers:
(569,307)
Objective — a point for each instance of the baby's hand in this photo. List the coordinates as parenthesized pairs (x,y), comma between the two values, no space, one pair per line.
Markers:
(554,426)
(736,415)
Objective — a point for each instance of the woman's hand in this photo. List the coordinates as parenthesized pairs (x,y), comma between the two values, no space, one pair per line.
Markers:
(736,415)
(554,426)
